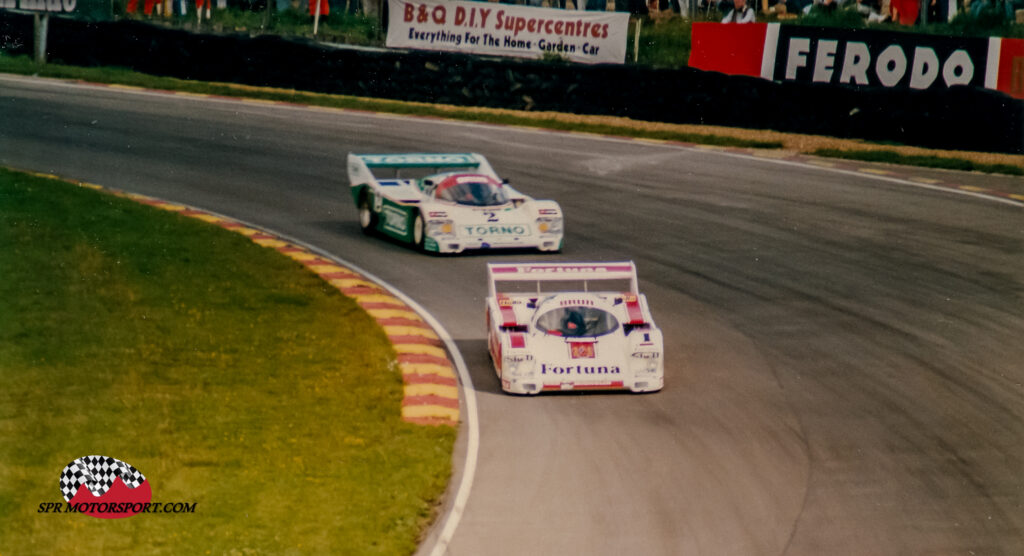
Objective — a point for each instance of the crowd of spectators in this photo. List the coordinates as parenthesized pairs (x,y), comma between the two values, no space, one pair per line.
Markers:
(906,12)
(175,7)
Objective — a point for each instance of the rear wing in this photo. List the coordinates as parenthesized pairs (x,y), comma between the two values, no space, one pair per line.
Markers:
(538,278)
(365,168)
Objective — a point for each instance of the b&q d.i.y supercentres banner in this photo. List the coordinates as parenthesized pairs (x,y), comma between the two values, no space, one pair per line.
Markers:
(508,30)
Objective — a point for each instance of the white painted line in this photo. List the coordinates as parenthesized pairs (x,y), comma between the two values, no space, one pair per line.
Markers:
(901,181)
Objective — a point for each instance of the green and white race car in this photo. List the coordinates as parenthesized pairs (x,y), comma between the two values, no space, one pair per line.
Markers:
(447,203)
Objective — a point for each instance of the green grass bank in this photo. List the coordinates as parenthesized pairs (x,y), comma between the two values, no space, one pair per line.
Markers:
(225,372)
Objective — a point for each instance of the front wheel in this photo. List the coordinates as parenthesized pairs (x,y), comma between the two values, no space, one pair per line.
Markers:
(419,232)
(367,219)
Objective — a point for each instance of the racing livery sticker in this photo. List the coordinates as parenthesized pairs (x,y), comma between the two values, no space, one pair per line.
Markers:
(561,269)
(497,230)
(546,369)
(581,350)
(457,159)
(395,220)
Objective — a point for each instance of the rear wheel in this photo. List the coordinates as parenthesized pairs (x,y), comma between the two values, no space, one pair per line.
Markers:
(367,218)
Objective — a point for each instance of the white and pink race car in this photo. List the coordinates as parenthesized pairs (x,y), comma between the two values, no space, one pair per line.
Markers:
(571,326)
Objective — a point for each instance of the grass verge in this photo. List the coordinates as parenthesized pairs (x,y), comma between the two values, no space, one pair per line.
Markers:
(893,157)
(226,373)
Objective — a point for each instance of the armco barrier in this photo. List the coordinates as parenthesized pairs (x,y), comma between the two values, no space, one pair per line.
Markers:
(958,118)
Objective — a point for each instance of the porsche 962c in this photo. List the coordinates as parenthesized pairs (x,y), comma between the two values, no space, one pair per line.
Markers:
(447,203)
(571,326)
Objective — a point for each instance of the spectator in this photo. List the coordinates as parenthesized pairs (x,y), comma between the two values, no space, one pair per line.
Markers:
(823,6)
(782,7)
(991,10)
(596,5)
(872,10)
(904,12)
(740,13)
(147,6)
(325,8)
(886,10)
(797,6)
(665,5)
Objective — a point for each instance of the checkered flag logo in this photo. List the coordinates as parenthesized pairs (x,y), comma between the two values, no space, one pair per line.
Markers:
(97,473)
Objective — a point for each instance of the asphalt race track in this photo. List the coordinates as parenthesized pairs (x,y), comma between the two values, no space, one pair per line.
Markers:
(844,354)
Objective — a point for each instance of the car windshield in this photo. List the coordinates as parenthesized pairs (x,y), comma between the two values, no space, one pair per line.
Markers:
(577,321)
(477,193)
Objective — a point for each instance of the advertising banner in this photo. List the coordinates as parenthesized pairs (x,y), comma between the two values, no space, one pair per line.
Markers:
(859,57)
(507,30)
(879,58)
(1006,66)
(93,10)
(728,48)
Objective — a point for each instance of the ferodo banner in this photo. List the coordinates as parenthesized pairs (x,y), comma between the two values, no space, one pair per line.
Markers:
(859,57)
(886,59)
(507,30)
(95,10)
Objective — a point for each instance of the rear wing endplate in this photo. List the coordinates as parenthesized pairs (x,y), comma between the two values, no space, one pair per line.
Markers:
(533,277)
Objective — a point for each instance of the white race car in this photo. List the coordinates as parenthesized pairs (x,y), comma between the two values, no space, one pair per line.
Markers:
(447,203)
(571,326)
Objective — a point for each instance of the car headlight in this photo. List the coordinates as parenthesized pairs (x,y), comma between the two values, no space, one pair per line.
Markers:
(440,228)
(517,364)
(646,361)
(549,225)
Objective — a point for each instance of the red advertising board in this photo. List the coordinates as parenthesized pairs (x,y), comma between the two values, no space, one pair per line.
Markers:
(858,57)
(728,48)
(1010,68)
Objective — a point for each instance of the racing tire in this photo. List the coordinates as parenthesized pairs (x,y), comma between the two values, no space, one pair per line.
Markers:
(419,231)
(367,218)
